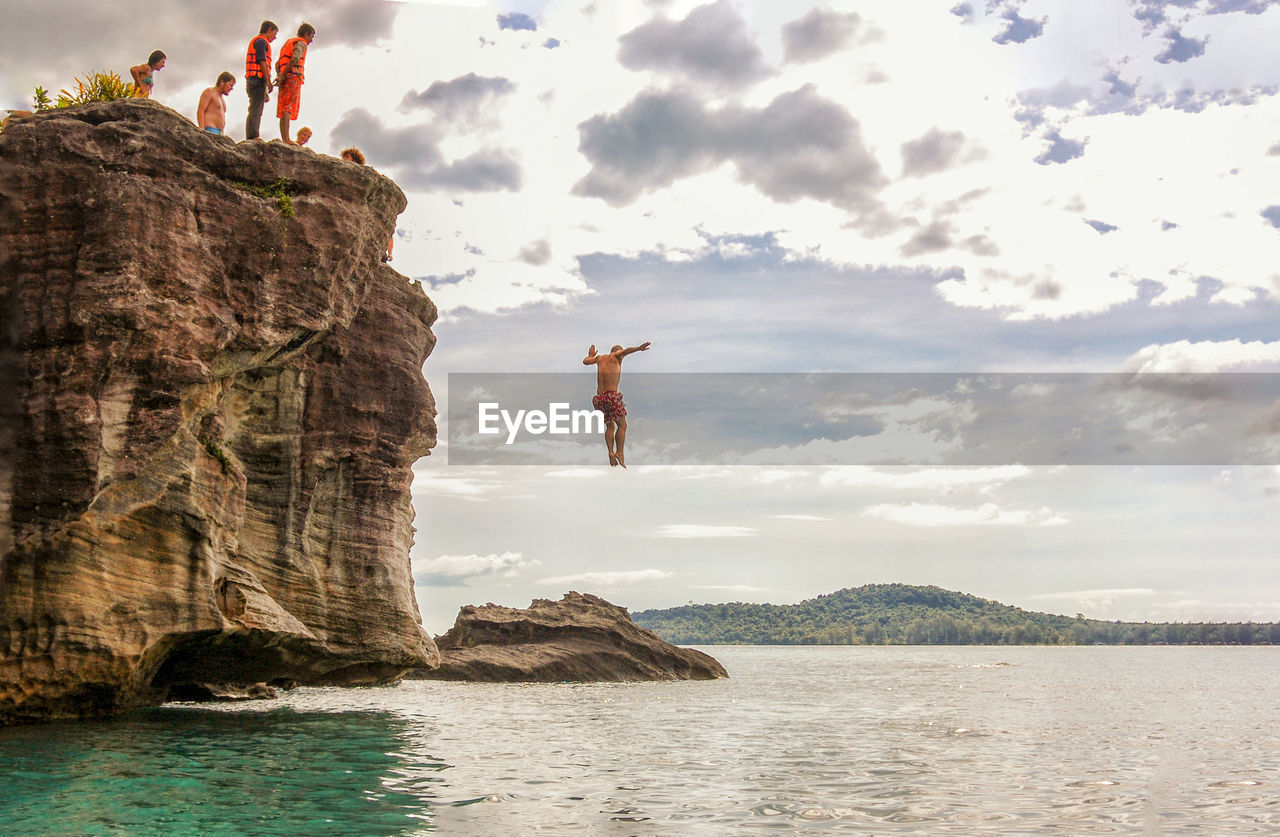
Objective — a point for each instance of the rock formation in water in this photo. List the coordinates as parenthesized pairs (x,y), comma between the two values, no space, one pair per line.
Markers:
(220,692)
(581,637)
(212,399)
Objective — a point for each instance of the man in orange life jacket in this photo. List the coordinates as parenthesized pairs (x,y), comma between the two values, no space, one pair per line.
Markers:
(290,70)
(257,76)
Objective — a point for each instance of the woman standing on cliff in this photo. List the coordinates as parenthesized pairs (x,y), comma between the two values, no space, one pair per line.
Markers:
(144,75)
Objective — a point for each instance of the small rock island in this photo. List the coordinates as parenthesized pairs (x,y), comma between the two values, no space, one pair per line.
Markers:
(579,638)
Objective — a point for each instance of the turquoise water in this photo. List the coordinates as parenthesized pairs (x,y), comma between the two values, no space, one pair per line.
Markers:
(184,771)
(819,740)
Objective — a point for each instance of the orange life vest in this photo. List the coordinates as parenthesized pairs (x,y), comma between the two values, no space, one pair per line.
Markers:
(286,56)
(251,68)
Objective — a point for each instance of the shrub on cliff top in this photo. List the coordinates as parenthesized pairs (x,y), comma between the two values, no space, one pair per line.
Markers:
(281,191)
(94,87)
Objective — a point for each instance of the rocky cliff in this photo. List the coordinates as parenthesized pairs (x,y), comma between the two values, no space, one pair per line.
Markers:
(581,637)
(212,397)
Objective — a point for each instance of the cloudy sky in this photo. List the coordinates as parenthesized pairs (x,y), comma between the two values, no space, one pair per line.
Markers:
(1077,186)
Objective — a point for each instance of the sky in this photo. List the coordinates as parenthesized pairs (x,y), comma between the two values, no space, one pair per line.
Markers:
(1077,186)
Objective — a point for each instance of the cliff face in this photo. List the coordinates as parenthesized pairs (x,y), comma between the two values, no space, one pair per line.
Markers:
(581,637)
(212,397)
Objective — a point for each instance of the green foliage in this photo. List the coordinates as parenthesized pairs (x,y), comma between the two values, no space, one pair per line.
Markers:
(901,614)
(215,450)
(281,190)
(94,87)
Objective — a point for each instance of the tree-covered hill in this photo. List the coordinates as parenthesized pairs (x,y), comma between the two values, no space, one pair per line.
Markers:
(903,614)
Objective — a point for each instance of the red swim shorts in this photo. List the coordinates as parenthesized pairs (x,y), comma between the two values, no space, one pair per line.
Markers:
(289,99)
(610,403)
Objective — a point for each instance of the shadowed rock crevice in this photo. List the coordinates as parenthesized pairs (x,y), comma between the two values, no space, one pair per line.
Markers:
(211,412)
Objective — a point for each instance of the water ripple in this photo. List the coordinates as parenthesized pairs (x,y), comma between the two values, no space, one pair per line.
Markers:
(827,740)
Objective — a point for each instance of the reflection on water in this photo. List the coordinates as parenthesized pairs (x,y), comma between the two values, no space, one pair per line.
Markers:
(855,740)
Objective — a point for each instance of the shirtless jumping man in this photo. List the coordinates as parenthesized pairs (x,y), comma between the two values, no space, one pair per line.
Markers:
(608,400)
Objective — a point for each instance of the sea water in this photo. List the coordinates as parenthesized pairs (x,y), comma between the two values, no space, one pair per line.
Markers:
(926,740)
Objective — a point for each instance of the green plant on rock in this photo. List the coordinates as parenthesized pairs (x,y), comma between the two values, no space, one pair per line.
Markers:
(215,450)
(96,86)
(281,190)
(42,100)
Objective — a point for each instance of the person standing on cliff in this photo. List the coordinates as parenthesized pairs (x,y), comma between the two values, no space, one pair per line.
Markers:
(144,80)
(290,75)
(257,76)
(607,398)
(211,113)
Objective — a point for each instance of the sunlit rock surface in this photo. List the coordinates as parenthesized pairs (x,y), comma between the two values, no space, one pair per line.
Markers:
(581,638)
(212,398)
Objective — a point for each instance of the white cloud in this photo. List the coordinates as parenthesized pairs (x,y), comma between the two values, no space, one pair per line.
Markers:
(608,579)
(1205,356)
(769,476)
(1211,182)
(1049,264)
(505,565)
(895,443)
(913,411)
(913,428)
(576,473)
(1100,601)
(1109,593)
(473,4)
(436,483)
(813,517)
(988,514)
(1196,610)
(694,530)
(927,479)
(1028,391)
(730,588)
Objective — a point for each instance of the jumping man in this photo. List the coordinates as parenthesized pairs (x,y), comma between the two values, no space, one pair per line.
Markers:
(608,400)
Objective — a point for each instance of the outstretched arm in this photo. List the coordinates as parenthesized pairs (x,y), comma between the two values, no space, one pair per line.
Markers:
(643,347)
(591,357)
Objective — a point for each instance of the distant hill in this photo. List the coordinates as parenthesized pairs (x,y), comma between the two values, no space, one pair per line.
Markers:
(903,614)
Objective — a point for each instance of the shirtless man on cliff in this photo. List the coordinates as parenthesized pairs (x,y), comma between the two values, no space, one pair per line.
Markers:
(211,113)
(608,400)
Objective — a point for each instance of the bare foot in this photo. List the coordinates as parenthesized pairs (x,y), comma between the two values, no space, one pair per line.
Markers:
(613,461)
(621,461)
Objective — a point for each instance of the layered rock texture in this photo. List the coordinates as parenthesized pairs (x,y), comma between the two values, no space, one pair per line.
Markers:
(580,638)
(212,399)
